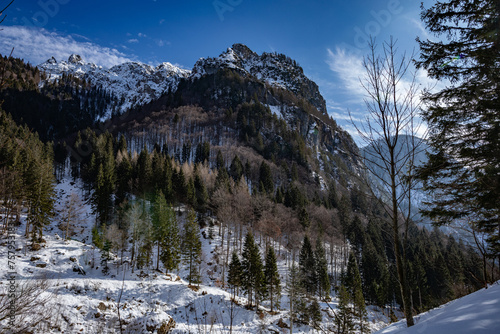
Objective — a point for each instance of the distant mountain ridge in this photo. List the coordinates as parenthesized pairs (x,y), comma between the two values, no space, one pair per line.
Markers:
(133,83)
(136,83)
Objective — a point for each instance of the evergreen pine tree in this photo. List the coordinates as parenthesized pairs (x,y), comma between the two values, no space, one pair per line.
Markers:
(236,169)
(296,293)
(353,285)
(272,279)
(235,274)
(463,117)
(322,271)
(166,233)
(315,314)
(343,318)
(307,266)
(253,276)
(266,179)
(191,247)
(201,192)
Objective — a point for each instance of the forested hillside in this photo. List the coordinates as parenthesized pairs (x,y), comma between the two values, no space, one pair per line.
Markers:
(231,182)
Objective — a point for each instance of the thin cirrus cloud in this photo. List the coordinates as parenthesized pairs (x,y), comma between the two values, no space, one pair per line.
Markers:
(349,69)
(36,45)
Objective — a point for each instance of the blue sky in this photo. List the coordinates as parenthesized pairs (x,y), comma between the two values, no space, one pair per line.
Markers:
(326,37)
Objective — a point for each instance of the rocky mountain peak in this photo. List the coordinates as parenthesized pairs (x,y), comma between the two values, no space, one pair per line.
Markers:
(52,61)
(75,59)
(243,51)
(274,69)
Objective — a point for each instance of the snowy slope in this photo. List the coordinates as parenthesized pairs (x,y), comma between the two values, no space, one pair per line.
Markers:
(89,303)
(133,83)
(477,313)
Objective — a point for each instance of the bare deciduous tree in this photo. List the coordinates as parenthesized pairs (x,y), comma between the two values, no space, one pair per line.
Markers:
(389,130)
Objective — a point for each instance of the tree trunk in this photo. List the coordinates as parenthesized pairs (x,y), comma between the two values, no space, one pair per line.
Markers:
(397,250)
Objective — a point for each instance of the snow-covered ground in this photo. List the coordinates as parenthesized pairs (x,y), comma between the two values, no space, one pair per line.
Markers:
(89,303)
(476,313)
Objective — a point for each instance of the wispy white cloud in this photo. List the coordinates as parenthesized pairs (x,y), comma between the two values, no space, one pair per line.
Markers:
(349,69)
(422,32)
(133,40)
(36,45)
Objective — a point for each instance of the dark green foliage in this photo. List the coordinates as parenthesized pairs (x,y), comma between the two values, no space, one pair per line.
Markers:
(344,317)
(191,247)
(266,179)
(191,193)
(272,279)
(322,271)
(235,273)
(333,201)
(144,172)
(375,274)
(315,314)
(179,184)
(186,152)
(356,235)
(353,285)
(202,153)
(296,293)
(236,169)
(464,163)
(26,175)
(125,171)
(253,275)
(294,198)
(222,180)
(166,232)
(304,218)
(307,266)
(201,193)
(102,175)
(219,161)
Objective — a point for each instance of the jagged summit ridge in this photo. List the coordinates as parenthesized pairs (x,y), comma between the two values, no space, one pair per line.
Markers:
(133,83)
(275,69)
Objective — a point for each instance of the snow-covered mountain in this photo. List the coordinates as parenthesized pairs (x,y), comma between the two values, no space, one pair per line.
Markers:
(274,69)
(133,83)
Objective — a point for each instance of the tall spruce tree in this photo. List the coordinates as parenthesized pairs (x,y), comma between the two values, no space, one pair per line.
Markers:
(253,275)
(295,291)
(166,233)
(235,274)
(352,282)
(322,271)
(191,247)
(307,266)
(272,279)
(343,318)
(463,171)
